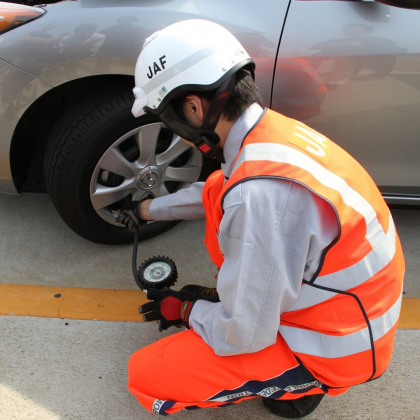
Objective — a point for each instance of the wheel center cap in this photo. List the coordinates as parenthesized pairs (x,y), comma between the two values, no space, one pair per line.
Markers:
(148,178)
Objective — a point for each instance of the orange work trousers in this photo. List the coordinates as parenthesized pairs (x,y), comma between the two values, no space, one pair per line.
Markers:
(182,372)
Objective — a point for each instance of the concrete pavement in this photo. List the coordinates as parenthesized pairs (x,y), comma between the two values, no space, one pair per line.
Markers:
(37,247)
(64,369)
(72,369)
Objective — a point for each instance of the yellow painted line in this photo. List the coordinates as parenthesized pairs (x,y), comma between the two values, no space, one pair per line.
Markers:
(410,313)
(71,303)
(110,304)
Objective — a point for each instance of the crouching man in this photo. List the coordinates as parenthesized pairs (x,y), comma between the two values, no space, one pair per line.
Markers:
(311,267)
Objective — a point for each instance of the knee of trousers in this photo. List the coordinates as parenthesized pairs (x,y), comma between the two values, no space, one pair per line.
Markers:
(141,372)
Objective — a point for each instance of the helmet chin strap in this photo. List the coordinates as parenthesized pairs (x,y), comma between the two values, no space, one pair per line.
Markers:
(208,139)
(204,138)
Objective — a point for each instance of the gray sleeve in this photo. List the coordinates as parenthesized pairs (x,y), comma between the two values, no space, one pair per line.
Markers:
(272,236)
(183,204)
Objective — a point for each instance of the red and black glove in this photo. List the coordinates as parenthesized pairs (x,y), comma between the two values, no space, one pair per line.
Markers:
(168,307)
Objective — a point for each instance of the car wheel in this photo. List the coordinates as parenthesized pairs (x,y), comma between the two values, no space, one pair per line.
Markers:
(99,156)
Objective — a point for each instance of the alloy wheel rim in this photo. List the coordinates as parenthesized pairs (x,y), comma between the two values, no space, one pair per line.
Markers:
(148,173)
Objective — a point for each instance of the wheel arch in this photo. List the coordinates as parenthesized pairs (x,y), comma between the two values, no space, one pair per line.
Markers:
(34,127)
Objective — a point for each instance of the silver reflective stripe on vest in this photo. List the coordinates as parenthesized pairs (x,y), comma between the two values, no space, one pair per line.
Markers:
(331,346)
(350,277)
(283,154)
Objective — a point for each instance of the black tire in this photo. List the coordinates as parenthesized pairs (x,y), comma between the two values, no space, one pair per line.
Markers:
(74,148)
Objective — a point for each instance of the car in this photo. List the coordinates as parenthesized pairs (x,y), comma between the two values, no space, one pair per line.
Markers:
(349,69)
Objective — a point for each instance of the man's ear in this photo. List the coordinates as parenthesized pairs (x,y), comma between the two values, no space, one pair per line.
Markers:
(194,109)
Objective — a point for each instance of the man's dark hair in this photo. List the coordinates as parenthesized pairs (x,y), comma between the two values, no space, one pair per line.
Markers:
(244,93)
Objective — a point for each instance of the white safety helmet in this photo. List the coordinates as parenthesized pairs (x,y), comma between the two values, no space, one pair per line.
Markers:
(191,55)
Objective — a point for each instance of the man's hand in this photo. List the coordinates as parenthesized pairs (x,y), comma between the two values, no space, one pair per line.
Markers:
(168,307)
(130,216)
(201,292)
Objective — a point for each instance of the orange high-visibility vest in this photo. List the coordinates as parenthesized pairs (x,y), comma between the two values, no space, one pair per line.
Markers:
(343,323)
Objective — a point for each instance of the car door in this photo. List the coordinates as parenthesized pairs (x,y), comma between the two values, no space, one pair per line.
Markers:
(351,70)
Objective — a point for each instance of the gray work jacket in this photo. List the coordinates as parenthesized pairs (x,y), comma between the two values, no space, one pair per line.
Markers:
(272,235)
